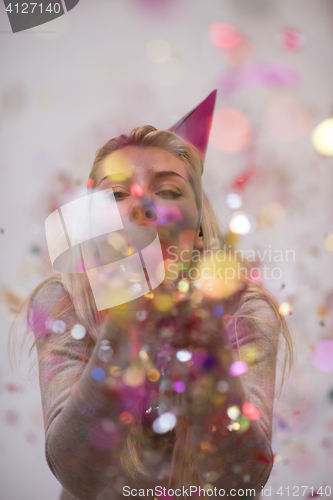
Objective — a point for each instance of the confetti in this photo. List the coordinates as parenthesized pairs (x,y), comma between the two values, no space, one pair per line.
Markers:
(225,36)
(240,223)
(183,355)
(179,386)
(105,351)
(233,201)
(290,39)
(285,309)
(98,373)
(58,326)
(250,411)
(322,137)
(238,368)
(126,417)
(231,131)
(329,242)
(134,376)
(153,375)
(164,423)
(78,332)
(322,357)
(233,412)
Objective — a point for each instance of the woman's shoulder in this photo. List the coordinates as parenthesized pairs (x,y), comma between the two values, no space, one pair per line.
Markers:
(260,301)
(256,320)
(257,311)
(49,300)
(49,292)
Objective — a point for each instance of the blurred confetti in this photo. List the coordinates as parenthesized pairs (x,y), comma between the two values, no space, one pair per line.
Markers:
(231,131)
(240,223)
(270,90)
(290,39)
(322,356)
(286,120)
(274,74)
(322,137)
(13,298)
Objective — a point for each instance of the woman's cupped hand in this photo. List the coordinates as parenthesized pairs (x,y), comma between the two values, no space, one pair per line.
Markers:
(174,340)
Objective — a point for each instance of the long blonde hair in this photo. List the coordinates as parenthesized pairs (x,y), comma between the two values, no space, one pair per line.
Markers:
(80,297)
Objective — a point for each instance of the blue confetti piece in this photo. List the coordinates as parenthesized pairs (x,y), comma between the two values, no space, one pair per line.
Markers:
(218,311)
(98,373)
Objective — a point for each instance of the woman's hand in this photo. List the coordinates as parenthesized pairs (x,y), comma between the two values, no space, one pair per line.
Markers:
(147,334)
(205,379)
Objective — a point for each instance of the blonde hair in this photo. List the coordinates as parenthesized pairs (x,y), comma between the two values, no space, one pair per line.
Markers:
(80,297)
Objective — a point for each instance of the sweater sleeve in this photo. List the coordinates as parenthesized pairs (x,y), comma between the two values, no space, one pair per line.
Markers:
(243,457)
(83,434)
(254,335)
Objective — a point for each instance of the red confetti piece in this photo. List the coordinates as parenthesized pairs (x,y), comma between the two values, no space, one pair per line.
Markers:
(14,388)
(126,417)
(291,39)
(264,459)
(242,179)
(250,411)
(225,36)
(136,190)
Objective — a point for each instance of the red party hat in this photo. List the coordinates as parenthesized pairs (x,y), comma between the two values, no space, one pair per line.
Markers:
(195,126)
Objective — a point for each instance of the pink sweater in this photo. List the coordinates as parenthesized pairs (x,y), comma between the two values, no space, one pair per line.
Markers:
(69,409)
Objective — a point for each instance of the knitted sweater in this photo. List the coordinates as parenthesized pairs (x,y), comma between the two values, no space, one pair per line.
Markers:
(72,400)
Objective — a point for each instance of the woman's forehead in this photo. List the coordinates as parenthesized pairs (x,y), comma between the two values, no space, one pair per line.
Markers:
(133,161)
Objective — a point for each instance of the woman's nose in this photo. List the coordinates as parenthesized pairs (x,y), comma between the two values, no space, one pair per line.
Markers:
(143,212)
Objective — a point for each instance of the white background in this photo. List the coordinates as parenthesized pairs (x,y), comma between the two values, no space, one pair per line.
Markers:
(68,86)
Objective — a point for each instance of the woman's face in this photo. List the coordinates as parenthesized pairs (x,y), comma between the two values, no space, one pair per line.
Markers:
(152,188)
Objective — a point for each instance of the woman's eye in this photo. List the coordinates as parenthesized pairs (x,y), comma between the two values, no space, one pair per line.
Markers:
(119,195)
(169,194)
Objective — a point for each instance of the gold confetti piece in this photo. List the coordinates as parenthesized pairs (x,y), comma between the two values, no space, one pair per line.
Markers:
(153,375)
(115,371)
(134,376)
(205,446)
(329,242)
(285,309)
(163,302)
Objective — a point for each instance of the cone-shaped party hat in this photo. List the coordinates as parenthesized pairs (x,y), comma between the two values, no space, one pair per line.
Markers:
(195,126)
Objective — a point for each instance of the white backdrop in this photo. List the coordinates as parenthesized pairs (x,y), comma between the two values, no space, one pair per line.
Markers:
(68,86)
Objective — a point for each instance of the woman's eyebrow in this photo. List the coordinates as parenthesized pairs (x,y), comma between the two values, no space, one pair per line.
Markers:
(106,177)
(166,173)
(158,175)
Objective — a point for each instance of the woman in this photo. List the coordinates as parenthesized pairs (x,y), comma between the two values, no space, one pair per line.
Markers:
(171,352)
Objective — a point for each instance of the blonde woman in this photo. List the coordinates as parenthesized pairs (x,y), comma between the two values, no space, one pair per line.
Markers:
(102,392)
